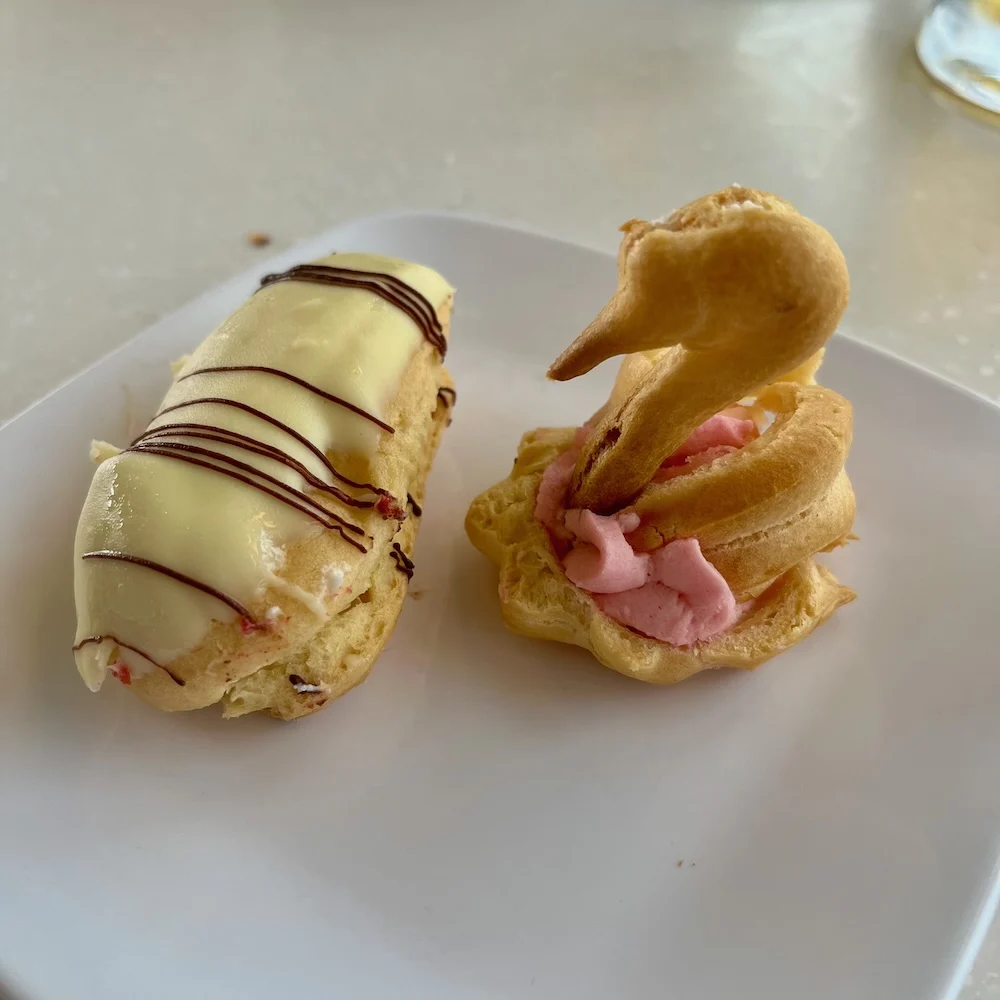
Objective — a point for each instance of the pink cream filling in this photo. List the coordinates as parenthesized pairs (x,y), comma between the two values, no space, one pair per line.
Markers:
(674,593)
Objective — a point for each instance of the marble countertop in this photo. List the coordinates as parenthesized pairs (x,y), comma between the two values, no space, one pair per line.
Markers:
(140,142)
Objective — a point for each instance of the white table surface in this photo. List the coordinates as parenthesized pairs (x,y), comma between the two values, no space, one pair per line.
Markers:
(140,141)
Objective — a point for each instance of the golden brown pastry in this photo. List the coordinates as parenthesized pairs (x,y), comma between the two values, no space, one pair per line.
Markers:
(676,529)
(252,546)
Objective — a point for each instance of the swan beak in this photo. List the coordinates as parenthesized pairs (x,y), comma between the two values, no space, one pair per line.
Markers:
(610,333)
(633,320)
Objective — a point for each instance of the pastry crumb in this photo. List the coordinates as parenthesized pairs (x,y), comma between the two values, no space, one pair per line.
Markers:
(257,238)
(101,451)
(416,594)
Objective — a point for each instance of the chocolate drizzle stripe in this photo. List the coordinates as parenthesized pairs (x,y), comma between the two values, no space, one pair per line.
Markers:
(274,422)
(135,649)
(190,581)
(208,432)
(403,562)
(416,508)
(263,369)
(419,301)
(190,449)
(182,453)
(447,395)
(395,291)
(328,272)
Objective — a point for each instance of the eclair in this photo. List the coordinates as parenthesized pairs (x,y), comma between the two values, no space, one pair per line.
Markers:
(677,529)
(253,546)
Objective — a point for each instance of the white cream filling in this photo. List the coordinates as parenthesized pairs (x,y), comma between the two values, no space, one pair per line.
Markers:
(333,579)
(304,688)
(311,601)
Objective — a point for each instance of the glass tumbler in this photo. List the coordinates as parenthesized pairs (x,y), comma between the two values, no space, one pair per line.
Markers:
(959,45)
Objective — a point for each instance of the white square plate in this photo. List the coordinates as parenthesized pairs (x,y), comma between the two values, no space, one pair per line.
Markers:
(490,816)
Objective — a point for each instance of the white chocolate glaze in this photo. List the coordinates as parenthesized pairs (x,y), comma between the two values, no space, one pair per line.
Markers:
(348,342)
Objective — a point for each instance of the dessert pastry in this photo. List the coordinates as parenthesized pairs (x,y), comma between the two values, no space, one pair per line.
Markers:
(676,529)
(252,546)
